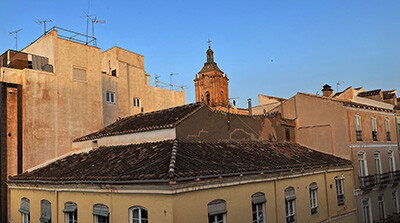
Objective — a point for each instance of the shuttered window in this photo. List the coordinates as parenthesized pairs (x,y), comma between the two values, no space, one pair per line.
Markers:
(79,74)
(71,212)
(25,210)
(217,211)
(46,211)
(290,198)
(101,213)
(258,207)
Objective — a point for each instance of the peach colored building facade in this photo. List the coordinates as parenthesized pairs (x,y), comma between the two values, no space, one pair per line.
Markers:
(360,126)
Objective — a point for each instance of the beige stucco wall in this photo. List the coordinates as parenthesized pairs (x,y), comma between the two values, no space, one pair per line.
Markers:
(186,205)
(56,108)
(134,85)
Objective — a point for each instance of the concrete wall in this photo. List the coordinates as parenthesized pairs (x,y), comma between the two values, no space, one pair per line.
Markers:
(191,206)
(131,75)
(207,125)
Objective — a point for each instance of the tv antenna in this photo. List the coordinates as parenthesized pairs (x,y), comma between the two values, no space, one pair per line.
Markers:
(93,22)
(339,83)
(157,79)
(88,18)
(170,80)
(44,23)
(16,38)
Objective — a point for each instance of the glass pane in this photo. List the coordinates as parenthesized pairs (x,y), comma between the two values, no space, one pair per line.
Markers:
(144,214)
(135,213)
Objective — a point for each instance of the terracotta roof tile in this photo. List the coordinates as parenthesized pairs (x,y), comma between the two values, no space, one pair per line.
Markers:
(369,93)
(161,119)
(177,160)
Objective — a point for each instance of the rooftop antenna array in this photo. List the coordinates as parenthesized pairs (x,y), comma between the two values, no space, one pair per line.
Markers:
(16,38)
(164,85)
(170,80)
(93,22)
(44,23)
(339,83)
(88,18)
(157,79)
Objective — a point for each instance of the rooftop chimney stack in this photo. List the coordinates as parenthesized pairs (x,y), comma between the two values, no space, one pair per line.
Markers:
(250,107)
(327,90)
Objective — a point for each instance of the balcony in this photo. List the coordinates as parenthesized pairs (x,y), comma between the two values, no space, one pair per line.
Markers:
(388,136)
(387,219)
(395,176)
(396,217)
(374,135)
(359,135)
(382,179)
(367,182)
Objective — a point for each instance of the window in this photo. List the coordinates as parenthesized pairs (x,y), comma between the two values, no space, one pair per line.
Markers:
(392,165)
(110,97)
(287,133)
(289,204)
(25,210)
(374,130)
(101,213)
(381,203)
(366,211)
(79,74)
(387,129)
(339,191)
(217,211)
(114,73)
(358,127)
(378,166)
(71,212)
(46,211)
(136,102)
(395,201)
(258,207)
(138,215)
(362,165)
(208,98)
(313,198)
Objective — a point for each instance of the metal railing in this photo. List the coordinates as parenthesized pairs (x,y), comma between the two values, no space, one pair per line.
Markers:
(359,135)
(374,136)
(367,182)
(388,136)
(395,176)
(382,179)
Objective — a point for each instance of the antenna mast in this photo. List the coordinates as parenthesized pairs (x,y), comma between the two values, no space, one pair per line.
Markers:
(16,38)
(44,23)
(88,17)
(170,80)
(338,84)
(93,22)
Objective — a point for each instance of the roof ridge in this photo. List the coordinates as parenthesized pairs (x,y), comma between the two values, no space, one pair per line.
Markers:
(202,104)
(172,162)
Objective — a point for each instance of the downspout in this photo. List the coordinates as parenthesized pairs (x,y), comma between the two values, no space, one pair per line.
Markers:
(327,199)
(276,203)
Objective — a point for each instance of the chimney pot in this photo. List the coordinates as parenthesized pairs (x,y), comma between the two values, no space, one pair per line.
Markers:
(327,90)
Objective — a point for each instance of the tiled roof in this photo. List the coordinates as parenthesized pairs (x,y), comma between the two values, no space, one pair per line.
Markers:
(177,160)
(210,66)
(161,119)
(369,93)
(388,94)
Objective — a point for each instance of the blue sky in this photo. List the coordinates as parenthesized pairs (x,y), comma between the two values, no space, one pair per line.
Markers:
(266,47)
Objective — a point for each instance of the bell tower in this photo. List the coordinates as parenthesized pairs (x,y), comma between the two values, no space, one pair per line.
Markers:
(211,83)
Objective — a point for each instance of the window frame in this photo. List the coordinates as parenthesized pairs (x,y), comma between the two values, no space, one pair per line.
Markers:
(358,127)
(110,97)
(139,208)
(362,162)
(313,189)
(43,204)
(73,213)
(374,129)
(366,203)
(290,204)
(258,207)
(25,210)
(97,216)
(395,200)
(136,102)
(387,128)
(220,205)
(340,191)
(381,207)
(82,69)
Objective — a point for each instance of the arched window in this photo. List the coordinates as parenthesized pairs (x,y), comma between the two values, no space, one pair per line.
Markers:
(138,214)
(362,164)
(46,211)
(208,98)
(357,120)
(313,198)
(339,190)
(101,213)
(366,207)
(258,206)
(25,210)
(378,165)
(71,212)
(217,211)
(290,198)
(374,129)
(392,164)
(387,129)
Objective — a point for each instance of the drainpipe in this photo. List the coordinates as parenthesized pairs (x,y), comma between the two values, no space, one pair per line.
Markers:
(276,203)
(326,194)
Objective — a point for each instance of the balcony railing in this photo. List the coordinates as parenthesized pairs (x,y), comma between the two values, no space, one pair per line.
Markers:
(374,136)
(396,217)
(382,179)
(359,135)
(388,219)
(388,136)
(367,182)
(395,176)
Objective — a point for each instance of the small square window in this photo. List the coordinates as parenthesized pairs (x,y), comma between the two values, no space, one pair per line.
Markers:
(114,73)
(110,97)
(136,102)
(79,74)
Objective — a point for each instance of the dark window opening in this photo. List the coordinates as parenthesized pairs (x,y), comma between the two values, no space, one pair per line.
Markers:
(114,73)
(287,135)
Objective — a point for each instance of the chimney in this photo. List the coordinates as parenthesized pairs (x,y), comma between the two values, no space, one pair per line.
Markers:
(250,107)
(327,90)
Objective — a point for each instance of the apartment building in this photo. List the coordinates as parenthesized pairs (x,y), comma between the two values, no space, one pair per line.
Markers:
(360,126)
(116,178)
(56,89)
